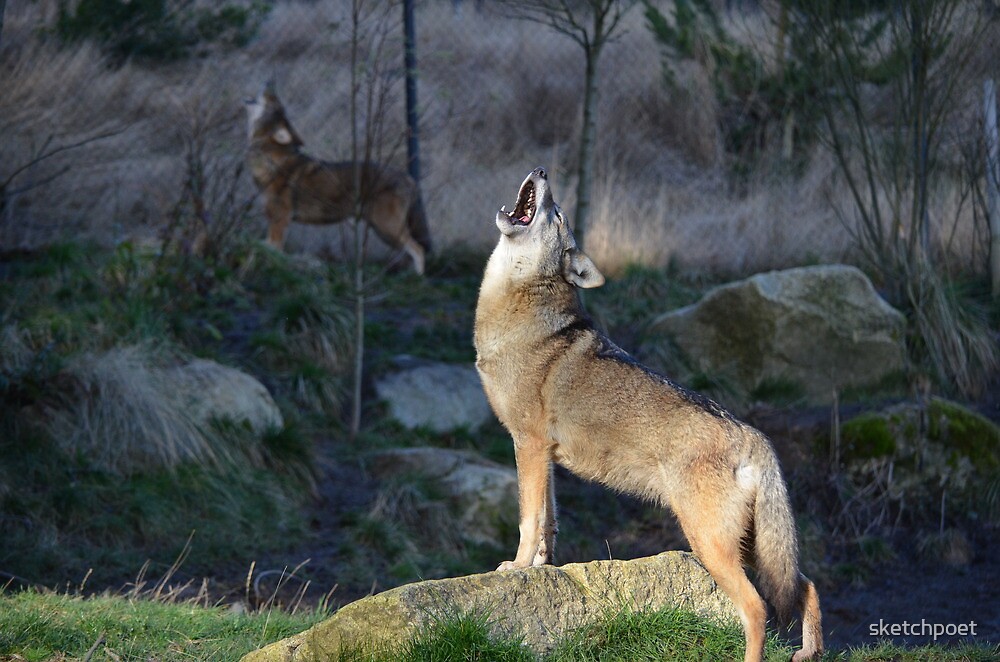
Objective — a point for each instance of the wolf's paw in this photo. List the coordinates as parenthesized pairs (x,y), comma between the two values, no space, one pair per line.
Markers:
(507,565)
(803,655)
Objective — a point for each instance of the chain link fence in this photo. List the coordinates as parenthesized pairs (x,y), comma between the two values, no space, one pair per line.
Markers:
(110,109)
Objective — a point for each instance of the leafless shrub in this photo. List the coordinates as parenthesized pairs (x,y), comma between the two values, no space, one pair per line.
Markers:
(214,204)
(894,87)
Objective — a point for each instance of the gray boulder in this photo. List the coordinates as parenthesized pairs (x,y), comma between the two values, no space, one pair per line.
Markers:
(482,494)
(542,605)
(818,328)
(439,396)
(211,391)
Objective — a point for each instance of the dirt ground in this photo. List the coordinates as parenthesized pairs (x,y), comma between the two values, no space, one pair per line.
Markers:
(908,591)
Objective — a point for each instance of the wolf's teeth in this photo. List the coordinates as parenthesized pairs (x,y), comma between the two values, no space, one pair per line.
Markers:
(503,208)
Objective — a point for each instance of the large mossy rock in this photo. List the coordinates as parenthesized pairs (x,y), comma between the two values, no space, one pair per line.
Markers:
(482,494)
(439,396)
(542,605)
(813,329)
(953,433)
(919,454)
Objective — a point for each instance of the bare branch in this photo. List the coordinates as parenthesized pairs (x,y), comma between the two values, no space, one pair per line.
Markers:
(45,153)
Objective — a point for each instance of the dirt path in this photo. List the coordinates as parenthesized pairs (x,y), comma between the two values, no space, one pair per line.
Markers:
(919,594)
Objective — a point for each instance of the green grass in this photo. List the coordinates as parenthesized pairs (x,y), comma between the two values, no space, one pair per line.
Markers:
(42,626)
(64,519)
(888,652)
(463,637)
(45,626)
(626,304)
(628,636)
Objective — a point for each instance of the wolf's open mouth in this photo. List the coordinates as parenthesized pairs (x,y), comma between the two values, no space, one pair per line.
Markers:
(524,210)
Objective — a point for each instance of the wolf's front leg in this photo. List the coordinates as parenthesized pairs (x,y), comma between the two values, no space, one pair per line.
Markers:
(547,544)
(534,473)
(279,215)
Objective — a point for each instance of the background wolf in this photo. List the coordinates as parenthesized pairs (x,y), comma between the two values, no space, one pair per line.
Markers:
(567,393)
(298,187)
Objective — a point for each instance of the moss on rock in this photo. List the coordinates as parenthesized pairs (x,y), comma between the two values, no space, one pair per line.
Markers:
(896,431)
(867,436)
(968,432)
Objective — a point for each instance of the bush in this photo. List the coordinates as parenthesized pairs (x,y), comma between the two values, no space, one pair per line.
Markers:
(157,29)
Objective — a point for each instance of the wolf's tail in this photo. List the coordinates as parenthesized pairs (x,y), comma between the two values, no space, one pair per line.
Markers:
(416,222)
(776,543)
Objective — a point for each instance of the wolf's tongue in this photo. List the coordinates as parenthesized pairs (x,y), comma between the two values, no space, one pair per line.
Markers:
(524,219)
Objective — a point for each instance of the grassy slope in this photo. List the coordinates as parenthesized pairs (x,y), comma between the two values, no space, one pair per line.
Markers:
(73,299)
(40,626)
(71,511)
(37,626)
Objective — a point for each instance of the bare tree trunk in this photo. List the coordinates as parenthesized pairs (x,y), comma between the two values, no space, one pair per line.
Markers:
(3,7)
(591,24)
(992,139)
(585,161)
(780,54)
(359,273)
(919,67)
(410,63)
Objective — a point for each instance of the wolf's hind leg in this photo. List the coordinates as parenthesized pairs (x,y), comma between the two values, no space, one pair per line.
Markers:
(715,540)
(812,629)
(416,253)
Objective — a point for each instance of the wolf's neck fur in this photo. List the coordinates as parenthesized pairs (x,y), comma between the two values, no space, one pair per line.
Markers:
(514,298)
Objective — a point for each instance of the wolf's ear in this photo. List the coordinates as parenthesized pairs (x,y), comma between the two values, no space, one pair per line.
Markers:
(285,135)
(581,271)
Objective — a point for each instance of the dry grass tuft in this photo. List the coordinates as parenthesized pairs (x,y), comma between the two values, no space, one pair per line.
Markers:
(124,414)
(948,546)
(956,339)
(16,354)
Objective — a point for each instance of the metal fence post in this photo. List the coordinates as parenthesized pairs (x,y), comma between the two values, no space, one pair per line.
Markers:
(992,140)
(410,64)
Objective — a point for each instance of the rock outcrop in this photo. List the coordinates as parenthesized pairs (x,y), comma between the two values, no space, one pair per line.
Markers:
(482,494)
(542,605)
(811,328)
(439,396)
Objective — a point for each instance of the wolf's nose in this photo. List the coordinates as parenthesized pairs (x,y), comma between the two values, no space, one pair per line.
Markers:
(541,173)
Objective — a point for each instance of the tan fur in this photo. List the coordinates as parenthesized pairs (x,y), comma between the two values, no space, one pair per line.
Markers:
(567,394)
(298,187)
